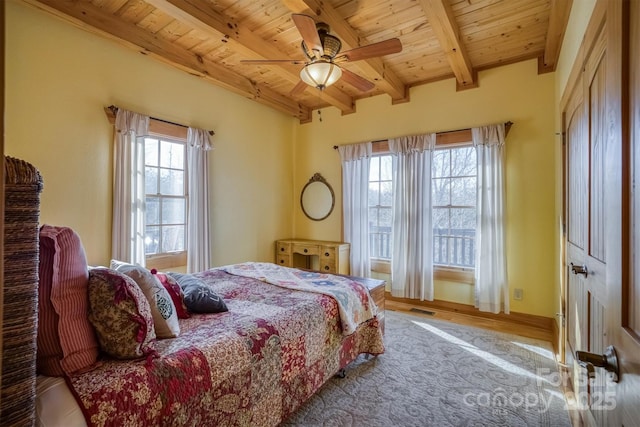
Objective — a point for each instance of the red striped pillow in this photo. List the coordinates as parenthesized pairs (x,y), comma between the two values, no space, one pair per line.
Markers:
(66,339)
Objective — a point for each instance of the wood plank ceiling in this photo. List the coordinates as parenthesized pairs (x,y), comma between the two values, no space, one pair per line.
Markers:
(441,39)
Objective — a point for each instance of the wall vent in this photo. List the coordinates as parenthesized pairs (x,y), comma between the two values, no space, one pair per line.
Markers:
(421,311)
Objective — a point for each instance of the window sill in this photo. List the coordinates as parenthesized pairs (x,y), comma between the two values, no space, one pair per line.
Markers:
(447,274)
(164,261)
(381,266)
(450,274)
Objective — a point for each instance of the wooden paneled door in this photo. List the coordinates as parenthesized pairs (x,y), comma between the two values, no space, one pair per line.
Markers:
(601,118)
(586,255)
(624,294)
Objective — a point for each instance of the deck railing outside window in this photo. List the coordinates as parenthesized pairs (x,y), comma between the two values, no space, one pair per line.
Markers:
(380,242)
(451,247)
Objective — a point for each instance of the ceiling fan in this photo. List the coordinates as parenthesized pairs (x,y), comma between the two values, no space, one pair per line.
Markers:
(321,68)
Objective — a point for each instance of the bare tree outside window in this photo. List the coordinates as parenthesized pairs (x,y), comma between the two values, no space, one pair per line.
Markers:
(454,206)
(380,200)
(165,184)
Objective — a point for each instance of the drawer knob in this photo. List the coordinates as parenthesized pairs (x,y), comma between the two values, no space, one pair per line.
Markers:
(305,251)
(326,267)
(281,249)
(326,254)
(281,261)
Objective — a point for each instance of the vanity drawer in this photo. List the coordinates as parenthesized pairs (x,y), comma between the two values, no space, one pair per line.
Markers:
(327,252)
(328,266)
(328,263)
(283,259)
(283,247)
(304,249)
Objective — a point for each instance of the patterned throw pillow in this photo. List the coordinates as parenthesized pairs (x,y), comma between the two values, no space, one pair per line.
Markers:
(120,314)
(66,340)
(198,297)
(165,316)
(175,292)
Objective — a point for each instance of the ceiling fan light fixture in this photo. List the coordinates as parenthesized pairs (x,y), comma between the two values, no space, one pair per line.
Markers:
(320,74)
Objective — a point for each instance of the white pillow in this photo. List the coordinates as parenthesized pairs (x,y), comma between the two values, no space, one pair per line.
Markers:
(165,316)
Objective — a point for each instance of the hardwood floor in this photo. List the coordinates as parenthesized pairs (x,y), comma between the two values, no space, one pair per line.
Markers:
(423,309)
(469,319)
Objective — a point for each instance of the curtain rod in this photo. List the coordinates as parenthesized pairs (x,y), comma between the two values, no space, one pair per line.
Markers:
(114,110)
(507,125)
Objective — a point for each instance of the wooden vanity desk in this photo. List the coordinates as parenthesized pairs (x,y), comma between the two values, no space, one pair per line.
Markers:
(317,255)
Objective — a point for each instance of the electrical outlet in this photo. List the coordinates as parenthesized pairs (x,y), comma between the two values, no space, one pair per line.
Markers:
(517,294)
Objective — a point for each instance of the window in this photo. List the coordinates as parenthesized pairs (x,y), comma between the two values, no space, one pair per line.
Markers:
(380,214)
(166,197)
(454,208)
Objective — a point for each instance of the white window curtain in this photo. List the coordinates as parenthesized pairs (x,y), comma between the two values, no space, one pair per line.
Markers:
(412,257)
(491,289)
(355,204)
(198,232)
(128,187)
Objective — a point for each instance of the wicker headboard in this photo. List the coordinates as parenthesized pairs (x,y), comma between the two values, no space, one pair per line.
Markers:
(23,185)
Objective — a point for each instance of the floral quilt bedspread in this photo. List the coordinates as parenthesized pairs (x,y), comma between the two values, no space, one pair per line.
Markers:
(251,366)
(354,302)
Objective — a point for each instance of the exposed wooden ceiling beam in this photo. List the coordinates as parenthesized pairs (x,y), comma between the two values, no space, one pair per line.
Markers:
(384,77)
(199,15)
(558,18)
(93,19)
(444,26)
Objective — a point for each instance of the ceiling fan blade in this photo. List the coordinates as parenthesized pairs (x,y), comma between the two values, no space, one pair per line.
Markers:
(271,61)
(382,48)
(356,81)
(307,28)
(299,88)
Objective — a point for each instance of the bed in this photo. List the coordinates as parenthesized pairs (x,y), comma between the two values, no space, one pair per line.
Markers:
(284,332)
(252,365)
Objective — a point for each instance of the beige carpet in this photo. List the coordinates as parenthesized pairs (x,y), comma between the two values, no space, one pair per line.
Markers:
(436,373)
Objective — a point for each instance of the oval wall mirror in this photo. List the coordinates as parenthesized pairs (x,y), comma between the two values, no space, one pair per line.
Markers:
(317,198)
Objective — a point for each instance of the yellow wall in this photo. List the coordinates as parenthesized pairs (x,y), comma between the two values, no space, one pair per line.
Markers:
(581,11)
(59,78)
(514,92)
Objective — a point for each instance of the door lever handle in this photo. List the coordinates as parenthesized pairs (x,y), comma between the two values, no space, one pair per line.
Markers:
(579,269)
(608,361)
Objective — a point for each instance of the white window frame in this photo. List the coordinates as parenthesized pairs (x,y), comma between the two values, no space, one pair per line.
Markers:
(163,260)
(449,272)
(441,272)
(449,207)
(379,264)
